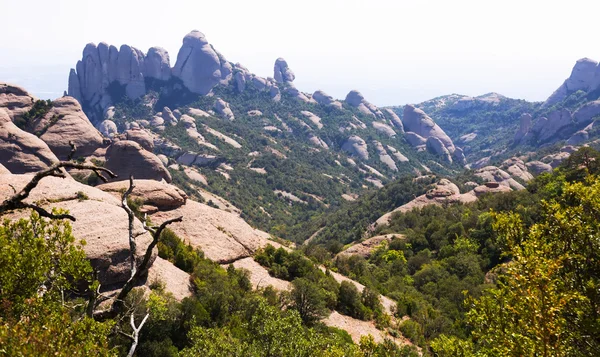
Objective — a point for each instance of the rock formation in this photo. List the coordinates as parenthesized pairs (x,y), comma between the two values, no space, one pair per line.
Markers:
(16,99)
(423,127)
(66,123)
(355,145)
(357,100)
(222,108)
(326,100)
(20,151)
(127,158)
(585,76)
(142,137)
(108,128)
(282,72)
(524,127)
(384,157)
(383,128)
(198,65)
(391,115)
(101,222)
(157,64)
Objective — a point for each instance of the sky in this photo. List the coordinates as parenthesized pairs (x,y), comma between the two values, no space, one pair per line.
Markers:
(394,52)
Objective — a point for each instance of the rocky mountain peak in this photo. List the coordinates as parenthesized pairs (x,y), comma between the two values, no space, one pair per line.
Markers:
(282,72)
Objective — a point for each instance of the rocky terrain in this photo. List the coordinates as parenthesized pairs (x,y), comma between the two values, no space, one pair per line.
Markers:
(248,161)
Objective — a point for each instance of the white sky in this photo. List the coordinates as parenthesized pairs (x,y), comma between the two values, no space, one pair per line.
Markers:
(394,52)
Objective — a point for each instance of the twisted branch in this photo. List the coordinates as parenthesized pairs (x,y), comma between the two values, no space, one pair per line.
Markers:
(16,201)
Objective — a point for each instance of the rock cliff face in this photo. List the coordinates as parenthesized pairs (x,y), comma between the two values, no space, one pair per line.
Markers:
(66,123)
(15,99)
(282,72)
(423,130)
(357,100)
(20,151)
(199,66)
(584,76)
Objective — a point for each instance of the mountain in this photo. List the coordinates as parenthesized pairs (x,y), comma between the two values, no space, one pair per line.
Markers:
(278,154)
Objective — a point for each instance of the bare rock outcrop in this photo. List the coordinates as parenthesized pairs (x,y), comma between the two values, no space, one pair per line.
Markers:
(436,146)
(15,99)
(142,137)
(101,222)
(517,168)
(127,158)
(366,247)
(584,76)
(223,109)
(357,100)
(397,154)
(587,113)
(393,117)
(326,100)
(554,123)
(157,64)
(198,65)
(355,145)
(524,127)
(66,123)
(383,128)
(415,120)
(578,138)
(538,167)
(108,128)
(384,157)
(282,72)
(495,174)
(153,193)
(415,139)
(20,151)
(223,237)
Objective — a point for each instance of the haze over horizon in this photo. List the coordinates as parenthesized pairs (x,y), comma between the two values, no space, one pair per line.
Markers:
(394,52)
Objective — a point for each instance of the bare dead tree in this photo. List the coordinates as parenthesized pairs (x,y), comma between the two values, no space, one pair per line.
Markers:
(17,200)
(134,336)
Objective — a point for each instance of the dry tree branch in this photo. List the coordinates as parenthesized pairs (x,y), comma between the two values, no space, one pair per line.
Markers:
(16,201)
(136,333)
(137,272)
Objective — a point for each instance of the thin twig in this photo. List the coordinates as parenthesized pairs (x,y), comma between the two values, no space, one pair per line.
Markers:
(16,201)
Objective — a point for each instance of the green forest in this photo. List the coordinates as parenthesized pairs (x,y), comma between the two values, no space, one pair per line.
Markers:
(513,274)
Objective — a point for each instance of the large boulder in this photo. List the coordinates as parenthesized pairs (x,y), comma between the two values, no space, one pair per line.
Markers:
(150,192)
(416,121)
(586,113)
(108,128)
(538,167)
(355,145)
(141,137)
(384,157)
(224,237)
(198,64)
(436,146)
(383,128)
(555,122)
(393,117)
(326,100)
(157,64)
(355,99)
(584,76)
(20,151)
(127,158)
(223,109)
(282,72)
(524,127)
(414,139)
(66,123)
(578,138)
(16,99)
(100,221)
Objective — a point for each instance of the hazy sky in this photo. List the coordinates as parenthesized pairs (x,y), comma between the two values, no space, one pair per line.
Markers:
(394,52)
